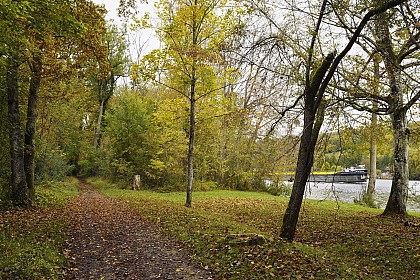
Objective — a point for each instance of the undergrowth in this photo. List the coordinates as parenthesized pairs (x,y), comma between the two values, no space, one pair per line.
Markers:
(31,240)
(333,241)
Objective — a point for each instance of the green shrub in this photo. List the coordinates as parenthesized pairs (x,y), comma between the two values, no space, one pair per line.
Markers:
(205,186)
(279,188)
(51,166)
(245,181)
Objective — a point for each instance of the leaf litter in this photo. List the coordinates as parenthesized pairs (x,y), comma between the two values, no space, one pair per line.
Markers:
(108,240)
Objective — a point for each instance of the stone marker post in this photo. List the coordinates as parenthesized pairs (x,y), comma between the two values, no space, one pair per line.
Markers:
(136,183)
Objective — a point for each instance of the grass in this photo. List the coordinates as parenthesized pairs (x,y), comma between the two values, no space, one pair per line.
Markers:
(333,241)
(31,240)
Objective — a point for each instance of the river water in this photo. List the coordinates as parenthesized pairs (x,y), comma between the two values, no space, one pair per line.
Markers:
(350,192)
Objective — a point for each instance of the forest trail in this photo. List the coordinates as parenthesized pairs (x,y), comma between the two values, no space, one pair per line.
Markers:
(108,240)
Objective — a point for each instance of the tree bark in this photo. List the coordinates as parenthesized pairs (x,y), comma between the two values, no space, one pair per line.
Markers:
(104,94)
(30,131)
(397,200)
(96,136)
(190,156)
(19,188)
(192,94)
(369,197)
(303,169)
(313,119)
(398,197)
(314,109)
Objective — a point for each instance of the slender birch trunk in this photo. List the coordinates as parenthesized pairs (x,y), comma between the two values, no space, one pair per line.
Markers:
(369,197)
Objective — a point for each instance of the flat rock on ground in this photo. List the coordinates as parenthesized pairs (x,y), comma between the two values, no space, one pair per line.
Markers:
(108,240)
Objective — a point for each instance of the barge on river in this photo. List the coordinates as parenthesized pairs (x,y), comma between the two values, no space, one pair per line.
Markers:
(349,175)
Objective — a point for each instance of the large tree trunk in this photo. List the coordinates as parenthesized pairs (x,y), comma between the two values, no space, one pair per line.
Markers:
(398,197)
(397,200)
(30,131)
(303,169)
(314,110)
(19,187)
(312,125)
(313,119)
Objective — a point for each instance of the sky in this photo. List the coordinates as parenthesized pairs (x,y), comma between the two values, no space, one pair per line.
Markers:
(145,39)
(111,6)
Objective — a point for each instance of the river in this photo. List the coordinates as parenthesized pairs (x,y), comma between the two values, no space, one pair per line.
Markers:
(350,192)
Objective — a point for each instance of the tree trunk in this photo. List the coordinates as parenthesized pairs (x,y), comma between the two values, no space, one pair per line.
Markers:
(397,200)
(314,110)
(398,197)
(19,187)
(369,197)
(190,155)
(104,95)
(313,120)
(30,131)
(314,90)
(303,169)
(98,128)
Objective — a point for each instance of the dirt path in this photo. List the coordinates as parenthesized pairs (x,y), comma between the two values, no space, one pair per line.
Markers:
(107,240)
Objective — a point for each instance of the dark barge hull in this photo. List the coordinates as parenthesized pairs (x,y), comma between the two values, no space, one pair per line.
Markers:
(339,178)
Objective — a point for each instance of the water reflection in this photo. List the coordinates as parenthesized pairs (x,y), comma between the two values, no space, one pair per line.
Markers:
(351,192)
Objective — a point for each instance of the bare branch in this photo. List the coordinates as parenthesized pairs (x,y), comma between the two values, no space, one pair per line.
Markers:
(283,113)
(368,16)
